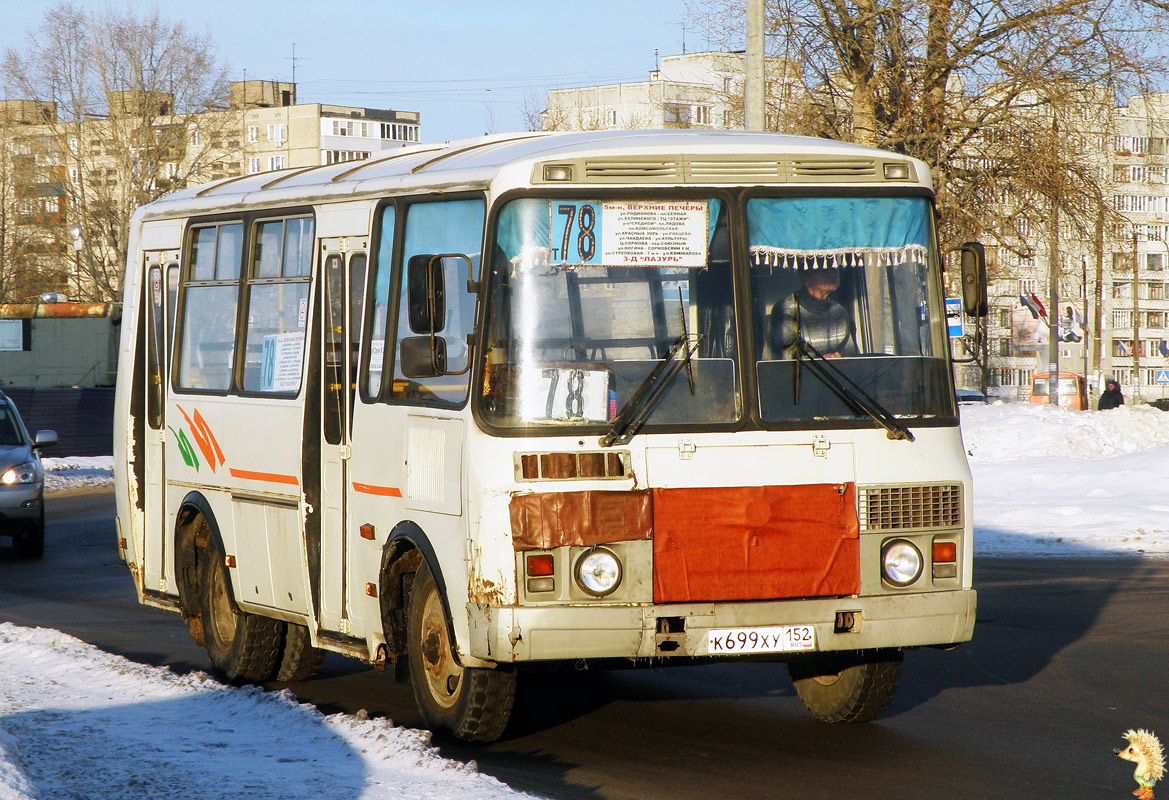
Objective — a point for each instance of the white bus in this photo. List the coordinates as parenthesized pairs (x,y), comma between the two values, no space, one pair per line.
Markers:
(623,398)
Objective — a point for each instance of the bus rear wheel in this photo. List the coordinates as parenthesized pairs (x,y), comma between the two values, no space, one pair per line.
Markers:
(472,704)
(846,686)
(243,648)
(299,660)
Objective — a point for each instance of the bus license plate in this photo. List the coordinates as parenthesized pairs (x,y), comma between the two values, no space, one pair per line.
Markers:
(776,639)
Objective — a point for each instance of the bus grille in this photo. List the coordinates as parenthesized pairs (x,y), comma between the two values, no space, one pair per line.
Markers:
(899,508)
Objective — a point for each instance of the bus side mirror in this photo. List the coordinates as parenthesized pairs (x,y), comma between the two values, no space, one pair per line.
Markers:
(974,299)
(426,293)
(423,356)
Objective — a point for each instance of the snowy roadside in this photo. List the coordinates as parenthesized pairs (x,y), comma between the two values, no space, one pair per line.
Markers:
(78,473)
(1048,481)
(82,723)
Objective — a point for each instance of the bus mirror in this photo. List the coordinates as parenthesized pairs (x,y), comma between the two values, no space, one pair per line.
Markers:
(974,299)
(426,293)
(423,356)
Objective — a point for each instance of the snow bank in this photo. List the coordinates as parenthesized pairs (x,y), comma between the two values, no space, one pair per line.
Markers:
(1059,482)
(92,725)
(64,475)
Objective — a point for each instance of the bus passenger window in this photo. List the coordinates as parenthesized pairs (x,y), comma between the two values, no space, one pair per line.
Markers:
(380,302)
(278,289)
(210,291)
(444,227)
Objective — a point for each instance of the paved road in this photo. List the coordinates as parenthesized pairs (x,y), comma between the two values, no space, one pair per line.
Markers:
(1068,654)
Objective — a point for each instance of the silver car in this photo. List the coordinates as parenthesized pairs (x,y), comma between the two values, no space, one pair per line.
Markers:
(22,482)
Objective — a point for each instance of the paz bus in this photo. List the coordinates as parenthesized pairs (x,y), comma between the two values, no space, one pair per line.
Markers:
(1073,390)
(530,400)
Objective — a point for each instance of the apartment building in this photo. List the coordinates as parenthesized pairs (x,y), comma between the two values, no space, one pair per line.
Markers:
(692,90)
(68,180)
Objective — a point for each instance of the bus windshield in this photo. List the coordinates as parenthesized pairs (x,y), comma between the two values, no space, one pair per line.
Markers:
(589,296)
(849,283)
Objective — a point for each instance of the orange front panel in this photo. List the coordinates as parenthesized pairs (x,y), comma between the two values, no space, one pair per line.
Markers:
(755,543)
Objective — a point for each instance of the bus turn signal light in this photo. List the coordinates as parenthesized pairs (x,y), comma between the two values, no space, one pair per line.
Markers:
(366,531)
(946,552)
(541,564)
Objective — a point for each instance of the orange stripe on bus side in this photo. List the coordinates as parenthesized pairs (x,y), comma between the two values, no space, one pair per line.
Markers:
(384,491)
(269,477)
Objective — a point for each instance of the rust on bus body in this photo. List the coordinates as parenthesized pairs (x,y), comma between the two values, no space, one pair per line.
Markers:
(480,588)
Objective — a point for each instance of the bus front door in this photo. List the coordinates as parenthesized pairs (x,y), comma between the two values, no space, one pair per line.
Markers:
(161,268)
(343,280)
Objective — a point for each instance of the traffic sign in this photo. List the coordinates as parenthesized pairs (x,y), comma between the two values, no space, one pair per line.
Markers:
(1162,376)
(954,317)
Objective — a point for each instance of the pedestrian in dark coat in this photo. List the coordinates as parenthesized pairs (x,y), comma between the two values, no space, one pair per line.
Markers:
(1111,397)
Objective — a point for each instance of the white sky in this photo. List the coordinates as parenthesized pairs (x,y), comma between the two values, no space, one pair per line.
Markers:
(79,723)
(466,65)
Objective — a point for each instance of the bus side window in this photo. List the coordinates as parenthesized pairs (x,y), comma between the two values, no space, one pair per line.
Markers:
(277,310)
(379,306)
(454,226)
(210,293)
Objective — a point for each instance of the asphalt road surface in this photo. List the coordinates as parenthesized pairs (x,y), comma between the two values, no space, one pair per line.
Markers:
(1068,653)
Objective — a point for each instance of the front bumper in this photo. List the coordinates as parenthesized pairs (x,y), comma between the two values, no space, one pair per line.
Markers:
(22,502)
(515,634)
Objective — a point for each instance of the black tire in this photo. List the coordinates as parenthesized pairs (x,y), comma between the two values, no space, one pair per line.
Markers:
(299,660)
(243,648)
(846,686)
(31,544)
(472,704)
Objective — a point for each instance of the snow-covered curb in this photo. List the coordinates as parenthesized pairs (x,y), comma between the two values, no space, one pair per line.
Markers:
(78,473)
(94,725)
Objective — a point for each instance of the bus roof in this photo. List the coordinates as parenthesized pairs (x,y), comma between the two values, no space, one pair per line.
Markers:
(667,157)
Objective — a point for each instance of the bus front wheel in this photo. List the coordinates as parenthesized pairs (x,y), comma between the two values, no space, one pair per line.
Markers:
(243,648)
(846,686)
(472,704)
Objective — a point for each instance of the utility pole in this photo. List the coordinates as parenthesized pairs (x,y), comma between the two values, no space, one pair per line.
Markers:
(1098,319)
(753,115)
(1053,282)
(1136,319)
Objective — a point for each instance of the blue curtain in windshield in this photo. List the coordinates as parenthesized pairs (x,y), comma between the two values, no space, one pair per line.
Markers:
(837,231)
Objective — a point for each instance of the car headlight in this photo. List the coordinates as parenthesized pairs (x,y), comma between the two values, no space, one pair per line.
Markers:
(23,473)
(901,562)
(598,572)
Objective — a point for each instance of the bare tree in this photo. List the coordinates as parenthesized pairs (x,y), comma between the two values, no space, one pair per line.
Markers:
(948,81)
(130,93)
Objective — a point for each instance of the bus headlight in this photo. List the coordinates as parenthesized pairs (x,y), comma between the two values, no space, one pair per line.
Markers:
(598,572)
(901,562)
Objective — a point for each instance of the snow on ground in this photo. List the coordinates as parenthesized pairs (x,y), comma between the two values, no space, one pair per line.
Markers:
(79,473)
(80,724)
(77,723)
(1058,482)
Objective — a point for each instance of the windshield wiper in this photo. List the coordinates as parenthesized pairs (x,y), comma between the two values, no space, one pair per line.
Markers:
(651,390)
(846,389)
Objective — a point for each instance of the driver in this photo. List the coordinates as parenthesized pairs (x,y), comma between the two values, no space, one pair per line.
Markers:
(813,315)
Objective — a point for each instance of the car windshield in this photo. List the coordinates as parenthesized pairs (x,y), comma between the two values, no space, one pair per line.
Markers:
(852,283)
(10,434)
(589,295)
